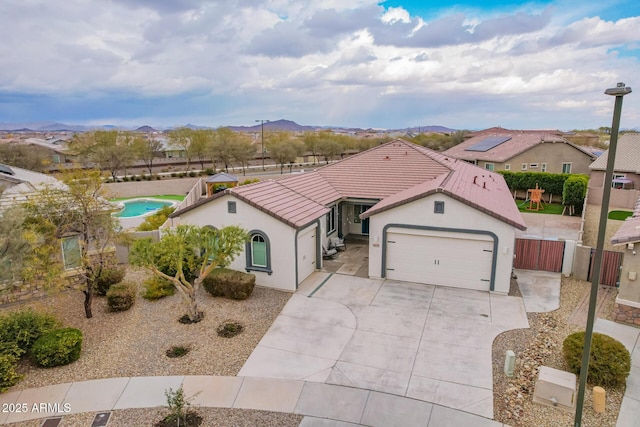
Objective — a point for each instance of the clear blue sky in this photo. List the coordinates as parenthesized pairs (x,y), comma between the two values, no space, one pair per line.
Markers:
(364,63)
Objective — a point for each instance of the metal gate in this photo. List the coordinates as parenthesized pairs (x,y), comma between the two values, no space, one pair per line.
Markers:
(610,272)
(545,255)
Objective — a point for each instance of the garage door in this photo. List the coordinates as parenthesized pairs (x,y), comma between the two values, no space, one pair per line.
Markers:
(449,259)
(306,253)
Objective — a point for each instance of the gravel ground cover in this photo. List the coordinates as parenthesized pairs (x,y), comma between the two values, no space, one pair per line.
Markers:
(133,343)
(591,224)
(541,345)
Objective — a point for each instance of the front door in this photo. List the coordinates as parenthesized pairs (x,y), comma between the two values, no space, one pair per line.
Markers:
(365,221)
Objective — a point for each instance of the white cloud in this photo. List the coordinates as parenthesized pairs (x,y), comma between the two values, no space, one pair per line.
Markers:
(322,60)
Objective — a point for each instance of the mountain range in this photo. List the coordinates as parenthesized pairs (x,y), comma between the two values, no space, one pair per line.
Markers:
(275,125)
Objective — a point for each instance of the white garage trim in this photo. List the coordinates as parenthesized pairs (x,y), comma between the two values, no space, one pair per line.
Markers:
(318,261)
(494,255)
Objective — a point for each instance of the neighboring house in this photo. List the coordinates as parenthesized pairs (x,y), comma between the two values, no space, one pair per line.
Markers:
(169,149)
(56,149)
(627,308)
(523,151)
(429,219)
(626,173)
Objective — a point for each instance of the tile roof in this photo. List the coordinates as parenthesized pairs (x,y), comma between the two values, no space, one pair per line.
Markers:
(629,231)
(627,155)
(394,172)
(520,142)
(476,187)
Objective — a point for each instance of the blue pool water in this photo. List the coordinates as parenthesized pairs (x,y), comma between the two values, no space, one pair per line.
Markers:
(141,207)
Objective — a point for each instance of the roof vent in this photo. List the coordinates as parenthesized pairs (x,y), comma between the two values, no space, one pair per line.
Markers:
(386,158)
(484,185)
(474,179)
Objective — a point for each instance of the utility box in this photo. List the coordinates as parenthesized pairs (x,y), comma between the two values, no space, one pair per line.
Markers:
(555,388)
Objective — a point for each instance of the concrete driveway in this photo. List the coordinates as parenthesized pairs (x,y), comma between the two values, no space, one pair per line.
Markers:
(424,342)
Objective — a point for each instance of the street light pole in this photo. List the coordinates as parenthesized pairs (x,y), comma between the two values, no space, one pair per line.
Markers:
(619,91)
(262,129)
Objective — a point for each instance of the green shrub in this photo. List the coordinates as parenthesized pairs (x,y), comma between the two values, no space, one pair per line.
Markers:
(173,174)
(125,179)
(58,347)
(192,174)
(8,375)
(107,278)
(153,222)
(552,183)
(24,327)
(249,181)
(223,282)
(574,191)
(209,171)
(121,297)
(156,287)
(610,361)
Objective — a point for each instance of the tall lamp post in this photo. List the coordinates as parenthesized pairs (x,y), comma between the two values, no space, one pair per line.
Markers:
(619,91)
(262,130)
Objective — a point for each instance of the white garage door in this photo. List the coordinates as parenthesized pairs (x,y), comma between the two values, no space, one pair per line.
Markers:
(449,259)
(306,253)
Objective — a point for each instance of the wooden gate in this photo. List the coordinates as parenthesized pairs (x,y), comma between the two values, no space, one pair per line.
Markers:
(545,255)
(610,272)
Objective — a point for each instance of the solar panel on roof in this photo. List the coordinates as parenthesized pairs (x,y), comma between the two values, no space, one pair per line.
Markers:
(488,143)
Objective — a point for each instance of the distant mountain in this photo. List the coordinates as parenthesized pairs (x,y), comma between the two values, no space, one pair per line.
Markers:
(276,125)
(146,129)
(427,129)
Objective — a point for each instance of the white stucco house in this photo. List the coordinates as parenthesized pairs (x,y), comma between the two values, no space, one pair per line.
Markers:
(429,219)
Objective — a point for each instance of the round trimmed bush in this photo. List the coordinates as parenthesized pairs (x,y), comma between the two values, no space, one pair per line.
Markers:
(58,347)
(24,327)
(156,287)
(107,278)
(121,297)
(610,361)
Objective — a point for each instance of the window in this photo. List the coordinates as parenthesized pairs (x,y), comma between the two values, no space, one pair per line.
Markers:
(71,255)
(524,167)
(566,168)
(507,166)
(258,252)
(231,207)
(618,185)
(543,167)
(489,166)
(533,165)
(332,219)
(438,207)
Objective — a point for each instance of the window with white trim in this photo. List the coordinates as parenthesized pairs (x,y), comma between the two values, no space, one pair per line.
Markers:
(523,167)
(71,254)
(543,167)
(507,166)
(258,252)
(566,168)
(533,165)
(332,219)
(489,166)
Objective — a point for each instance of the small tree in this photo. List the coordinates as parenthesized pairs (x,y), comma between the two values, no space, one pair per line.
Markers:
(186,255)
(79,208)
(108,150)
(145,149)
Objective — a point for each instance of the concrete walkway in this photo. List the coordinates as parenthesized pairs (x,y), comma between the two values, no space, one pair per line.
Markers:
(428,343)
(540,290)
(321,404)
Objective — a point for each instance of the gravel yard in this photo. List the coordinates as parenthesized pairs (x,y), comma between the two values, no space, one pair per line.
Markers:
(133,343)
(541,344)
(592,221)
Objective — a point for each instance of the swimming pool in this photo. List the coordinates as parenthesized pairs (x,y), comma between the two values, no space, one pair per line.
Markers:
(141,207)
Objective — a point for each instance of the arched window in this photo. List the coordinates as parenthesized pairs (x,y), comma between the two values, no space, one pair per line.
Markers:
(258,251)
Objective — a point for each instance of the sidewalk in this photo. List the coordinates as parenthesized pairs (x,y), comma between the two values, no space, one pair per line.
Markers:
(321,404)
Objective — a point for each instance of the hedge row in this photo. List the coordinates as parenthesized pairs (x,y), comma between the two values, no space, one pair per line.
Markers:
(552,183)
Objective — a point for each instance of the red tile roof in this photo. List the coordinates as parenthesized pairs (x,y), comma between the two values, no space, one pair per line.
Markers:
(476,187)
(520,142)
(395,173)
